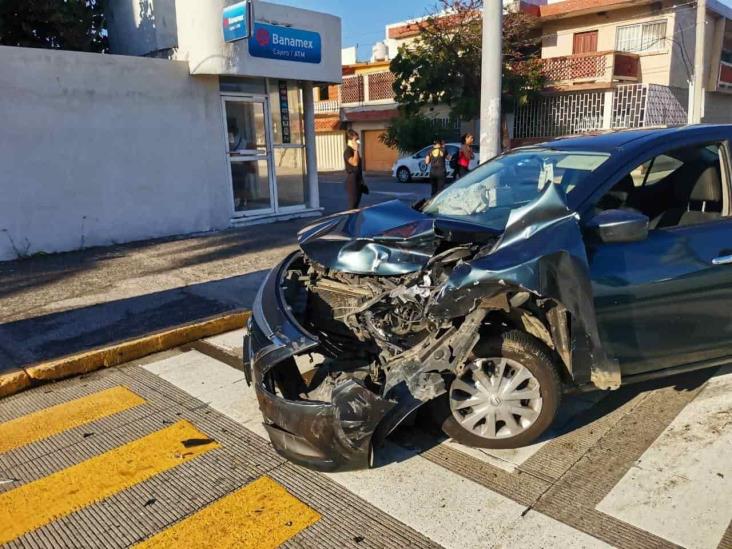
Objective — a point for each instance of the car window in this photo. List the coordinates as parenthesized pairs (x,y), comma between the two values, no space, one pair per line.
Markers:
(423,153)
(677,188)
(452,149)
(513,180)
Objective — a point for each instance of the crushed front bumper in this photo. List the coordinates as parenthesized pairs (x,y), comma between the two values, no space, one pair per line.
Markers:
(325,436)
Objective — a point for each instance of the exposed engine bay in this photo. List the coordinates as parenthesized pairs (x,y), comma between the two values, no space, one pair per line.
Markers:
(365,323)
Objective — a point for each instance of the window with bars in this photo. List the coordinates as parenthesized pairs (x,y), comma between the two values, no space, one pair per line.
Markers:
(642,37)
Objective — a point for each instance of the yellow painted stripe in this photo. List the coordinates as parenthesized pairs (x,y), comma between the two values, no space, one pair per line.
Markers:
(261,515)
(42,501)
(52,421)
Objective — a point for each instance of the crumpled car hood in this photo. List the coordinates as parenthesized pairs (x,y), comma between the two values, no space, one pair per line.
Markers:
(539,248)
(389,239)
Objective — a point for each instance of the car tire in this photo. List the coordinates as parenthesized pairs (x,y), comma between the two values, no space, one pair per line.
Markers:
(404,175)
(521,355)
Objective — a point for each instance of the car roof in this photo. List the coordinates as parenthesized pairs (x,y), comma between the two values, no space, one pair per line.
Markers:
(613,140)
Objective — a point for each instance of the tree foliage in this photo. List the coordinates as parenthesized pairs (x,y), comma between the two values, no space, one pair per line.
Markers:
(53,24)
(443,65)
(411,133)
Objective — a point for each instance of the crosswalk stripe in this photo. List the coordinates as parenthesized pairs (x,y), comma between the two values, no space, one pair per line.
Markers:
(261,515)
(57,419)
(39,502)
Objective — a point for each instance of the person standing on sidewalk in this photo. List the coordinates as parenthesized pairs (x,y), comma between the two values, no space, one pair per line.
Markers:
(465,156)
(354,170)
(437,161)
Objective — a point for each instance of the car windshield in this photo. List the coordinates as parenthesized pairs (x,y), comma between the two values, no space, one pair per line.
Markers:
(513,180)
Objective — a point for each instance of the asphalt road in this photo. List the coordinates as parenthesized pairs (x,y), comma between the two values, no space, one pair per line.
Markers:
(382,186)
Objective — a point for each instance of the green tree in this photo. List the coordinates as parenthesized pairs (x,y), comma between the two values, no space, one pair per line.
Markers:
(443,65)
(411,133)
(54,24)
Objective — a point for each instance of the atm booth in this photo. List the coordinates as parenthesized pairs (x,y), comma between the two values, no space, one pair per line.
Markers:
(267,58)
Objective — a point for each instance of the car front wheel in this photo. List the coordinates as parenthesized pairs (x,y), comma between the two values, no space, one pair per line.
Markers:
(505,397)
(404,175)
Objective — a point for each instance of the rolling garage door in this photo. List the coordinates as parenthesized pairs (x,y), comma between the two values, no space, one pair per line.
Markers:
(377,156)
(330,147)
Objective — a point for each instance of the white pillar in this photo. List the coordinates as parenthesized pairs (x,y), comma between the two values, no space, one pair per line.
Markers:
(311,153)
(607,110)
(491,75)
(699,50)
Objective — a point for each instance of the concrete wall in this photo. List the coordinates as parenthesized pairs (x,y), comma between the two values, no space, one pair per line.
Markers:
(99,149)
(718,108)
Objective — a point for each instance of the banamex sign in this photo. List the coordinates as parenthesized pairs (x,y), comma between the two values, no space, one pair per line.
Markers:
(236,22)
(285,44)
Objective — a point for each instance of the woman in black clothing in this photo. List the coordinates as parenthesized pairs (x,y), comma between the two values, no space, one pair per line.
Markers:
(354,171)
(437,161)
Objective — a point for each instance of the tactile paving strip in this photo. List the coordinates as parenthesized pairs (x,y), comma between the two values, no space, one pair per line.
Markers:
(153,505)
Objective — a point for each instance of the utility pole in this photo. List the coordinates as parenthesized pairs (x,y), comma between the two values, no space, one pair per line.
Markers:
(490,96)
(699,88)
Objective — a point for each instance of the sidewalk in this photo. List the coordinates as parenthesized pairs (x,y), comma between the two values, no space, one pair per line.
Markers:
(56,305)
(60,304)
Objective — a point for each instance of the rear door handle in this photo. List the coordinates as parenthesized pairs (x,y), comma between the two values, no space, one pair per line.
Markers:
(722,260)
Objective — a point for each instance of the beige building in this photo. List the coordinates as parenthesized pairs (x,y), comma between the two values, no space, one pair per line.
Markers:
(621,63)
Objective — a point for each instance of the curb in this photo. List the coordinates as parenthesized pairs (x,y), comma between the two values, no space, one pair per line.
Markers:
(18,380)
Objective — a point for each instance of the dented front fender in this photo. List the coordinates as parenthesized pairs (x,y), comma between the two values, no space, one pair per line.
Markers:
(542,251)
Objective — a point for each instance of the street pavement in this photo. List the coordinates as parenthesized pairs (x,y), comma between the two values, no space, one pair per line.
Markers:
(170,452)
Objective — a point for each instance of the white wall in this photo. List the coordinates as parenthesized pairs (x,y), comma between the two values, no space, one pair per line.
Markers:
(99,149)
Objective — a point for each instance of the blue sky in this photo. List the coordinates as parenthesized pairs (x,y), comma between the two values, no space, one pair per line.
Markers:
(364,20)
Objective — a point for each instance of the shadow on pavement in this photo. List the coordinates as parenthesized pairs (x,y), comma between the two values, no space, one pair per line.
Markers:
(55,335)
(420,433)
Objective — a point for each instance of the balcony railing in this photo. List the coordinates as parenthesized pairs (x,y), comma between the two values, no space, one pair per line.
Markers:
(374,88)
(327,107)
(598,67)
(362,89)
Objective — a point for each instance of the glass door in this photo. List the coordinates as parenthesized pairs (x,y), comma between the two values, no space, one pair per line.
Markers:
(288,144)
(250,155)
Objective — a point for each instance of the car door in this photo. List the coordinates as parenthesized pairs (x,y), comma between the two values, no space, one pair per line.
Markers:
(419,167)
(666,301)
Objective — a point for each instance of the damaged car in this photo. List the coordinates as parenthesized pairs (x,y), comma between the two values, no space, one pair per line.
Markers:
(577,264)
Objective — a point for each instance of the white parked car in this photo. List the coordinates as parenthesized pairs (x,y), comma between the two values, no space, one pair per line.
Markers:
(413,167)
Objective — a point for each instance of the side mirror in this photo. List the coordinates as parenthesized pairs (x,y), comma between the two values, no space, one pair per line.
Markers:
(619,226)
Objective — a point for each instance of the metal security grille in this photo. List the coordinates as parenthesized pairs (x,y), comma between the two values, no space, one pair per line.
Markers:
(665,106)
(629,106)
(560,115)
(380,86)
(632,106)
(352,90)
